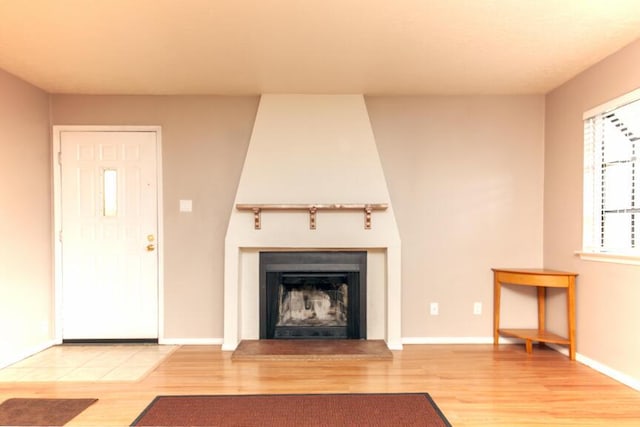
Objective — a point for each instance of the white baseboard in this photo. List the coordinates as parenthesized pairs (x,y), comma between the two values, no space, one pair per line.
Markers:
(394,345)
(14,358)
(190,341)
(457,340)
(625,379)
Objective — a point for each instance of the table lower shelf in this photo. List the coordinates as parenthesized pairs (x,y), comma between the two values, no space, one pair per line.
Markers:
(534,335)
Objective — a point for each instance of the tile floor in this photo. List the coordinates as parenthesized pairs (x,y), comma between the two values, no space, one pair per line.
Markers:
(73,362)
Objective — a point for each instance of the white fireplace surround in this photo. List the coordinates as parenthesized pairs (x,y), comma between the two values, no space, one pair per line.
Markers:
(312,149)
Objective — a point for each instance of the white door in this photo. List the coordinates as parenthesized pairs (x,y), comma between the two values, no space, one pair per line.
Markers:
(109,224)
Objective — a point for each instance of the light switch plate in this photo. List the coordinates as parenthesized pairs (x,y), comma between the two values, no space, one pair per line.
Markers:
(186,205)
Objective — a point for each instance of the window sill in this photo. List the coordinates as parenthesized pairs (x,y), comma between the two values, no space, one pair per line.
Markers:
(609,257)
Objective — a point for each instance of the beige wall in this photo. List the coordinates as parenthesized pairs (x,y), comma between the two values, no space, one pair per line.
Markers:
(608,294)
(465,176)
(204,141)
(25,220)
(464,173)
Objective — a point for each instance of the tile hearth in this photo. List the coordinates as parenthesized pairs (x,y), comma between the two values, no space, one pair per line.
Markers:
(327,349)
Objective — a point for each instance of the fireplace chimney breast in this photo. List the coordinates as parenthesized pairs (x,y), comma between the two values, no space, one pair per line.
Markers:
(311,149)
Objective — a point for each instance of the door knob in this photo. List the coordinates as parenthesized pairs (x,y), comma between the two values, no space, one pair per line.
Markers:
(151,248)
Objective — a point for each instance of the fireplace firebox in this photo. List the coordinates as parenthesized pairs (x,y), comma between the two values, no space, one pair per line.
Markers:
(318,294)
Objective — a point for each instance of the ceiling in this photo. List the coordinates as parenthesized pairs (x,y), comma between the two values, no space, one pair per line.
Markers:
(309,46)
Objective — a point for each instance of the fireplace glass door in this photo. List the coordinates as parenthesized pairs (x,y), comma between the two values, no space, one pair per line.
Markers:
(312,305)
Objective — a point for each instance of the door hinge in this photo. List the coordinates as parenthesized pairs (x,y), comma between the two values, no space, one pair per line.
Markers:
(60,235)
(60,157)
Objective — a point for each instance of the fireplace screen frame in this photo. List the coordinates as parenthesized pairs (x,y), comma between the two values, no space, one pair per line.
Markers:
(351,264)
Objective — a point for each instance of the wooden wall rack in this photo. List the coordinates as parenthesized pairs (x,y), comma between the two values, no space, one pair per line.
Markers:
(367,209)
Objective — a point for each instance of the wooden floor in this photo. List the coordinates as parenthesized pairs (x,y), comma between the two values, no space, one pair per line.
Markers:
(474,385)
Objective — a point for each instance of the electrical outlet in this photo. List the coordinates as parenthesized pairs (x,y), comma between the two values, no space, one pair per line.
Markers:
(433,309)
(477,308)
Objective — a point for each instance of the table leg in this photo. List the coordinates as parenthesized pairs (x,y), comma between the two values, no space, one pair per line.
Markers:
(571,317)
(542,298)
(496,308)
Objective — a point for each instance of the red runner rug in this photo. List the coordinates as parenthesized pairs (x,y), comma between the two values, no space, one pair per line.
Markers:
(294,410)
(41,412)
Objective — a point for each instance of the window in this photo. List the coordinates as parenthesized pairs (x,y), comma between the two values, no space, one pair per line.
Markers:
(611,222)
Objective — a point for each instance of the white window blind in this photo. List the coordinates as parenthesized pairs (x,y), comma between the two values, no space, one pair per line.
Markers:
(611,181)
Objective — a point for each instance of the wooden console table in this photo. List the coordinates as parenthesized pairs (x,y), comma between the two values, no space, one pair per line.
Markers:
(542,279)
